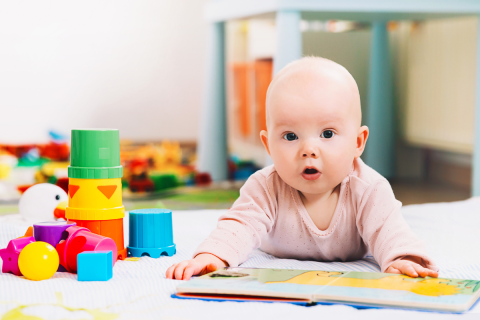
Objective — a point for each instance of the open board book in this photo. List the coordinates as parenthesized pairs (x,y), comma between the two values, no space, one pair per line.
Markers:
(366,289)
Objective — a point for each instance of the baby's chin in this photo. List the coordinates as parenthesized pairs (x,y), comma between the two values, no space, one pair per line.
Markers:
(314,188)
(318,186)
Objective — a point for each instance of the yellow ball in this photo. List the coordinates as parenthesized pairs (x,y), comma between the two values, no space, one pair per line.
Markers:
(38,261)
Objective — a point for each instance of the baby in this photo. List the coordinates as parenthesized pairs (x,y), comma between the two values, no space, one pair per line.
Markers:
(319,201)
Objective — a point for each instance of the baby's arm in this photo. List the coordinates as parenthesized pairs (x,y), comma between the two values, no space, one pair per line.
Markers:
(391,241)
(238,232)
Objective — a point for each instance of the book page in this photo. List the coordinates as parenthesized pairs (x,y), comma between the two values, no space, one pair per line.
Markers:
(390,289)
(349,287)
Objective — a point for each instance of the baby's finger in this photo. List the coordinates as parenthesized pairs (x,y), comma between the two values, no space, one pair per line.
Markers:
(433,274)
(179,270)
(210,268)
(189,272)
(425,272)
(393,270)
(169,273)
(409,270)
(422,272)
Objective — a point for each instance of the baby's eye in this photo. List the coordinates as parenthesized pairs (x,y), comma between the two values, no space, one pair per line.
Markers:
(290,136)
(327,134)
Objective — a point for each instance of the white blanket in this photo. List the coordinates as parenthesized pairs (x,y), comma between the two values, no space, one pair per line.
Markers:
(139,290)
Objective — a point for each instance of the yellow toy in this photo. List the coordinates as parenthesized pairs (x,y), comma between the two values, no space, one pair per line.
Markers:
(170,155)
(4,171)
(38,261)
(51,169)
(95,199)
(7,162)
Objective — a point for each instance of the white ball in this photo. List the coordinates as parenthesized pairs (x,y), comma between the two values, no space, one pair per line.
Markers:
(38,203)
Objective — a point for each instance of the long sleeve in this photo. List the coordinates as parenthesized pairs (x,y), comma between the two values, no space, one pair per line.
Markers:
(242,228)
(383,229)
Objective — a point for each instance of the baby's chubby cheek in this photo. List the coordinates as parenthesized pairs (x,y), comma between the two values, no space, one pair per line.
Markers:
(286,165)
(337,167)
(338,160)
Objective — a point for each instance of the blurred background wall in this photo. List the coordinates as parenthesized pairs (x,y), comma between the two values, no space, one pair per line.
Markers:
(139,67)
(133,65)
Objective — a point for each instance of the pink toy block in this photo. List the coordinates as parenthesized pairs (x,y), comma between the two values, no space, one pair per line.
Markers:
(80,240)
(11,253)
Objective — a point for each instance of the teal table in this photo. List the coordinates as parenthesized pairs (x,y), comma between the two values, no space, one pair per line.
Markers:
(212,146)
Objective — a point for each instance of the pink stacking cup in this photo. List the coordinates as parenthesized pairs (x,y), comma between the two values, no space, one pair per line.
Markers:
(79,239)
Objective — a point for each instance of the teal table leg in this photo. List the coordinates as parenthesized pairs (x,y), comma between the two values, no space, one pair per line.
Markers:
(476,146)
(289,39)
(380,148)
(212,142)
(289,45)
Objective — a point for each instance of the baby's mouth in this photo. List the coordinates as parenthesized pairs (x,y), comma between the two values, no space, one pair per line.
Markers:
(311,173)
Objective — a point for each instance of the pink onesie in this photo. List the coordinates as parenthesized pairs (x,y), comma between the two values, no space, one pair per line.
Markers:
(270,215)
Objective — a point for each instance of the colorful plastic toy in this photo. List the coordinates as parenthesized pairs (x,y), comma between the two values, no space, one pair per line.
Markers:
(11,253)
(51,171)
(139,180)
(141,183)
(112,229)
(95,187)
(7,163)
(62,183)
(94,266)
(79,240)
(42,202)
(151,233)
(164,181)
(203,179)
(38,261)
(55,151)
(51,232)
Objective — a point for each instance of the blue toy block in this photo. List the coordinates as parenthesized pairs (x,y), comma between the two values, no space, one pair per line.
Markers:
(151,233)
(94,266)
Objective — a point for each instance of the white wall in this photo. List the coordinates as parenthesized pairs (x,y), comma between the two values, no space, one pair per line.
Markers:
(441,84)
(133,65)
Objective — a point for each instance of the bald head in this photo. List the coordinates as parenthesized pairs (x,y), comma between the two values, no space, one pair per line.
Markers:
(316,76)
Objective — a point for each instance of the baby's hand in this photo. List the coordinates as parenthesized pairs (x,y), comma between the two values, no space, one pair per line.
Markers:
(411,269)
(201,264)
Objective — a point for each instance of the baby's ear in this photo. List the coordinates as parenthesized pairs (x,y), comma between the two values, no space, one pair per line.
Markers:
(361,140)
(264,138)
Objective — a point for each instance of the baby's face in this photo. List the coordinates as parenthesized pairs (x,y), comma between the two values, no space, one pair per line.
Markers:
(313,129)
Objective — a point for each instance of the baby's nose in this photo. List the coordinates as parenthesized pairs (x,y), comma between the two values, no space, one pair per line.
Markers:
(310,154)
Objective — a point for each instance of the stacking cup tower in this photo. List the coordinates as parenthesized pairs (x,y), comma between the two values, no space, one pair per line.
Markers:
(95,186)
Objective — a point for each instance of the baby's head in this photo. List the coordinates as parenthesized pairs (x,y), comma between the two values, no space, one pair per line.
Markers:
(314,127)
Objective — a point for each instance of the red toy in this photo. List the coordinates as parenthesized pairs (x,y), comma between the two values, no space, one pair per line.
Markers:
(79,240)
(62,183)
(203,178)
(55,151)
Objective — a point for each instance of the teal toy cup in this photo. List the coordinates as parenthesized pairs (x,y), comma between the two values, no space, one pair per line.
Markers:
(150,233)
